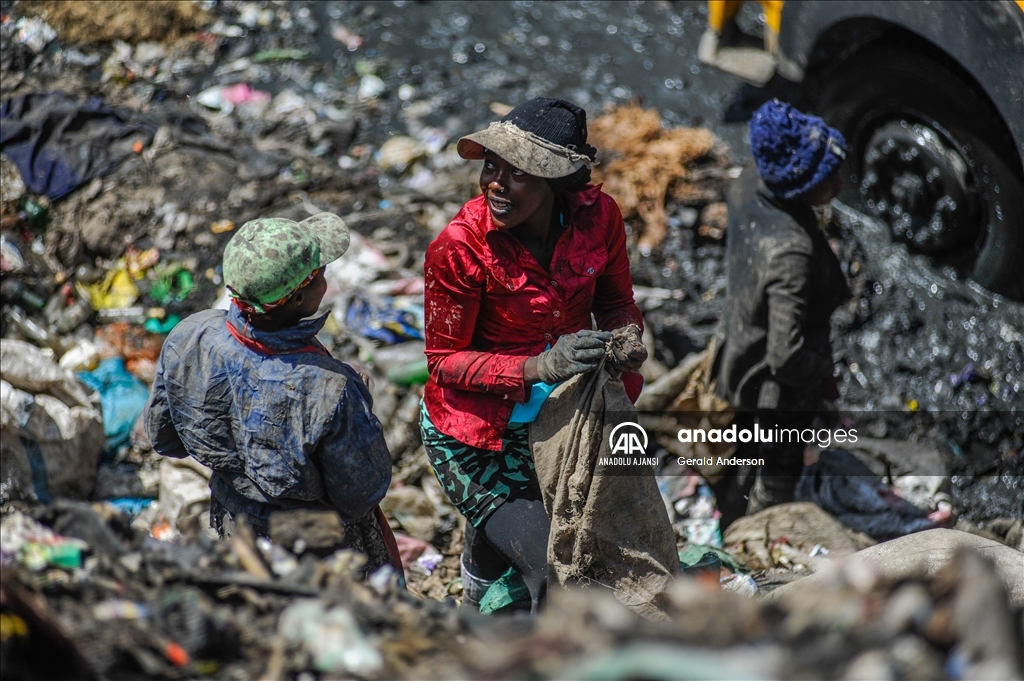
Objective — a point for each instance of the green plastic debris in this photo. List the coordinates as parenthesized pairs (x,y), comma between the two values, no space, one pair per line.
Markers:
(280,54)
(694,553)
(154,325)
(36,212)
(173,284)
(66,555)
(412,373)
(508,591)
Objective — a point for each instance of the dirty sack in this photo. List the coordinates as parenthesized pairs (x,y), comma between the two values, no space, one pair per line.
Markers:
(607,530)
(59,144)
(52,429)
(844,486)
(684,399)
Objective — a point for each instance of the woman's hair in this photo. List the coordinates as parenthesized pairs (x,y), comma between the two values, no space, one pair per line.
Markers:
(578,179)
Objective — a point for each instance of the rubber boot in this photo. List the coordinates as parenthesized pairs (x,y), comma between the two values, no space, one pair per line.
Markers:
(473,587)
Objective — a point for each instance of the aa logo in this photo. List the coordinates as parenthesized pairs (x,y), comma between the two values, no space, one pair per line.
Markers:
(628,439)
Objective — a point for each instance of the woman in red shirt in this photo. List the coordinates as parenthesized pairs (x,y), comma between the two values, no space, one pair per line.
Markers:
(514,286)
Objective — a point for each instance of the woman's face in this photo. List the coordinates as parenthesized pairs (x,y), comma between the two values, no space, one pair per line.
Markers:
(512,196)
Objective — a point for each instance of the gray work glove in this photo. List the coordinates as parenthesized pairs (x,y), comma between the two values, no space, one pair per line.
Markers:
(628,350)
(574,353)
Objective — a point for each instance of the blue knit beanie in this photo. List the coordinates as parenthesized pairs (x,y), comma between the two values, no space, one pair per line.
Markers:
(794,152)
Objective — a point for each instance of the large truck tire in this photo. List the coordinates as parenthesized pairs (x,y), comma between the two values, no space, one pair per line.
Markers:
(933,159)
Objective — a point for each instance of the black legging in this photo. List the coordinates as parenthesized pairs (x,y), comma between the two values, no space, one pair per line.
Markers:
(515,534)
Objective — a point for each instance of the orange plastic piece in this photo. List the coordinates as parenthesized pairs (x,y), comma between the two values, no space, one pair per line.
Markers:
(176,655)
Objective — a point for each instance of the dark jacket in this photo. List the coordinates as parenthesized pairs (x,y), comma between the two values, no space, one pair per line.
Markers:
(784,282)
(282,428)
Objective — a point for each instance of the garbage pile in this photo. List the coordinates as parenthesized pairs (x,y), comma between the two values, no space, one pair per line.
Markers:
(104,601)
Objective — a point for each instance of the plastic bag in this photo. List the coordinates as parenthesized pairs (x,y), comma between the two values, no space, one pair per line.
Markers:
(508,591)
(123,397)
(51,433)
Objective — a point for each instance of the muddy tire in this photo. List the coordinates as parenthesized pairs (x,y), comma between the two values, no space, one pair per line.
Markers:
(932,158)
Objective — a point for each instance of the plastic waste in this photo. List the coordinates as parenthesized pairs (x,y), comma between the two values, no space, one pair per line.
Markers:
(163,326)
(116,291)
(137,262)
(743,585)
(33,331)
(969,374)
(36,212)
(226,98)
(400,152)
(63,554)
(352,41)
(16,291)
(35,33)
(84,355)
(279,54)
(123,397)
(173,284)
(370,87)
(130,342)
(508,591)
(13,186)
(705,569)
(526,412)
(135,314)
(380,320)
(11,260)
(132,506)
(331,636)
(184,493)
(404,364)
(693,553)
(703,531)
(52,434)
(119,609)
(73,316)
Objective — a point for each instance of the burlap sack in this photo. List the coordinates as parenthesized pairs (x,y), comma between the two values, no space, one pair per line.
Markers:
(606,530)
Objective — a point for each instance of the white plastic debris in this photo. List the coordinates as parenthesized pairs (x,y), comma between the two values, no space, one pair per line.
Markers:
(35,33)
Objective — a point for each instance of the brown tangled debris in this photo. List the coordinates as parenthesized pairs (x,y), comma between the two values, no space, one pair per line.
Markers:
(644,163)
(88,21)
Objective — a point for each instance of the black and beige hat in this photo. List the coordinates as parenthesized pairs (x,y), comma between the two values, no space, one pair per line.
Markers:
(542,137)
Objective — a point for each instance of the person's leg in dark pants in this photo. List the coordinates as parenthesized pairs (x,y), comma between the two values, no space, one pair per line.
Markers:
(515,534)
(784,461)
(732,489)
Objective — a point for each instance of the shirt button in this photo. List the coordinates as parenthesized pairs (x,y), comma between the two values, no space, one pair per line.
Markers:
(510,285)
(557,313)
(547,336)
(554,283)
(590,270)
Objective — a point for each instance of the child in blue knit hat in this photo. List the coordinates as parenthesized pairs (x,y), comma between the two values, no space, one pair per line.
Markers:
(783,283)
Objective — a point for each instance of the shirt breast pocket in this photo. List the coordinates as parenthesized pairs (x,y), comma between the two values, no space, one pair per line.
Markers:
(504,293)
(581,274)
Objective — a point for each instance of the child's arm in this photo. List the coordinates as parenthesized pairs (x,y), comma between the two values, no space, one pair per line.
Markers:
(159,426)
(354,459)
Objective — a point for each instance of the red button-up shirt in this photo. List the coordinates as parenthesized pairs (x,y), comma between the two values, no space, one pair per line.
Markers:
(490,306)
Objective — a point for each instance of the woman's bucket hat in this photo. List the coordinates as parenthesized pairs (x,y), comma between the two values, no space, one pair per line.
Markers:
(542,137)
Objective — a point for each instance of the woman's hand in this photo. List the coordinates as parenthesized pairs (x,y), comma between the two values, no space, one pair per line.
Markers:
(628,349)
(574,353)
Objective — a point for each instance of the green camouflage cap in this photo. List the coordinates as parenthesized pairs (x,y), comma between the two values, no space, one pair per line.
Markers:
(268,258)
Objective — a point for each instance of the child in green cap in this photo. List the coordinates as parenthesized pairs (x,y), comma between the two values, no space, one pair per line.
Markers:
(252,394)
